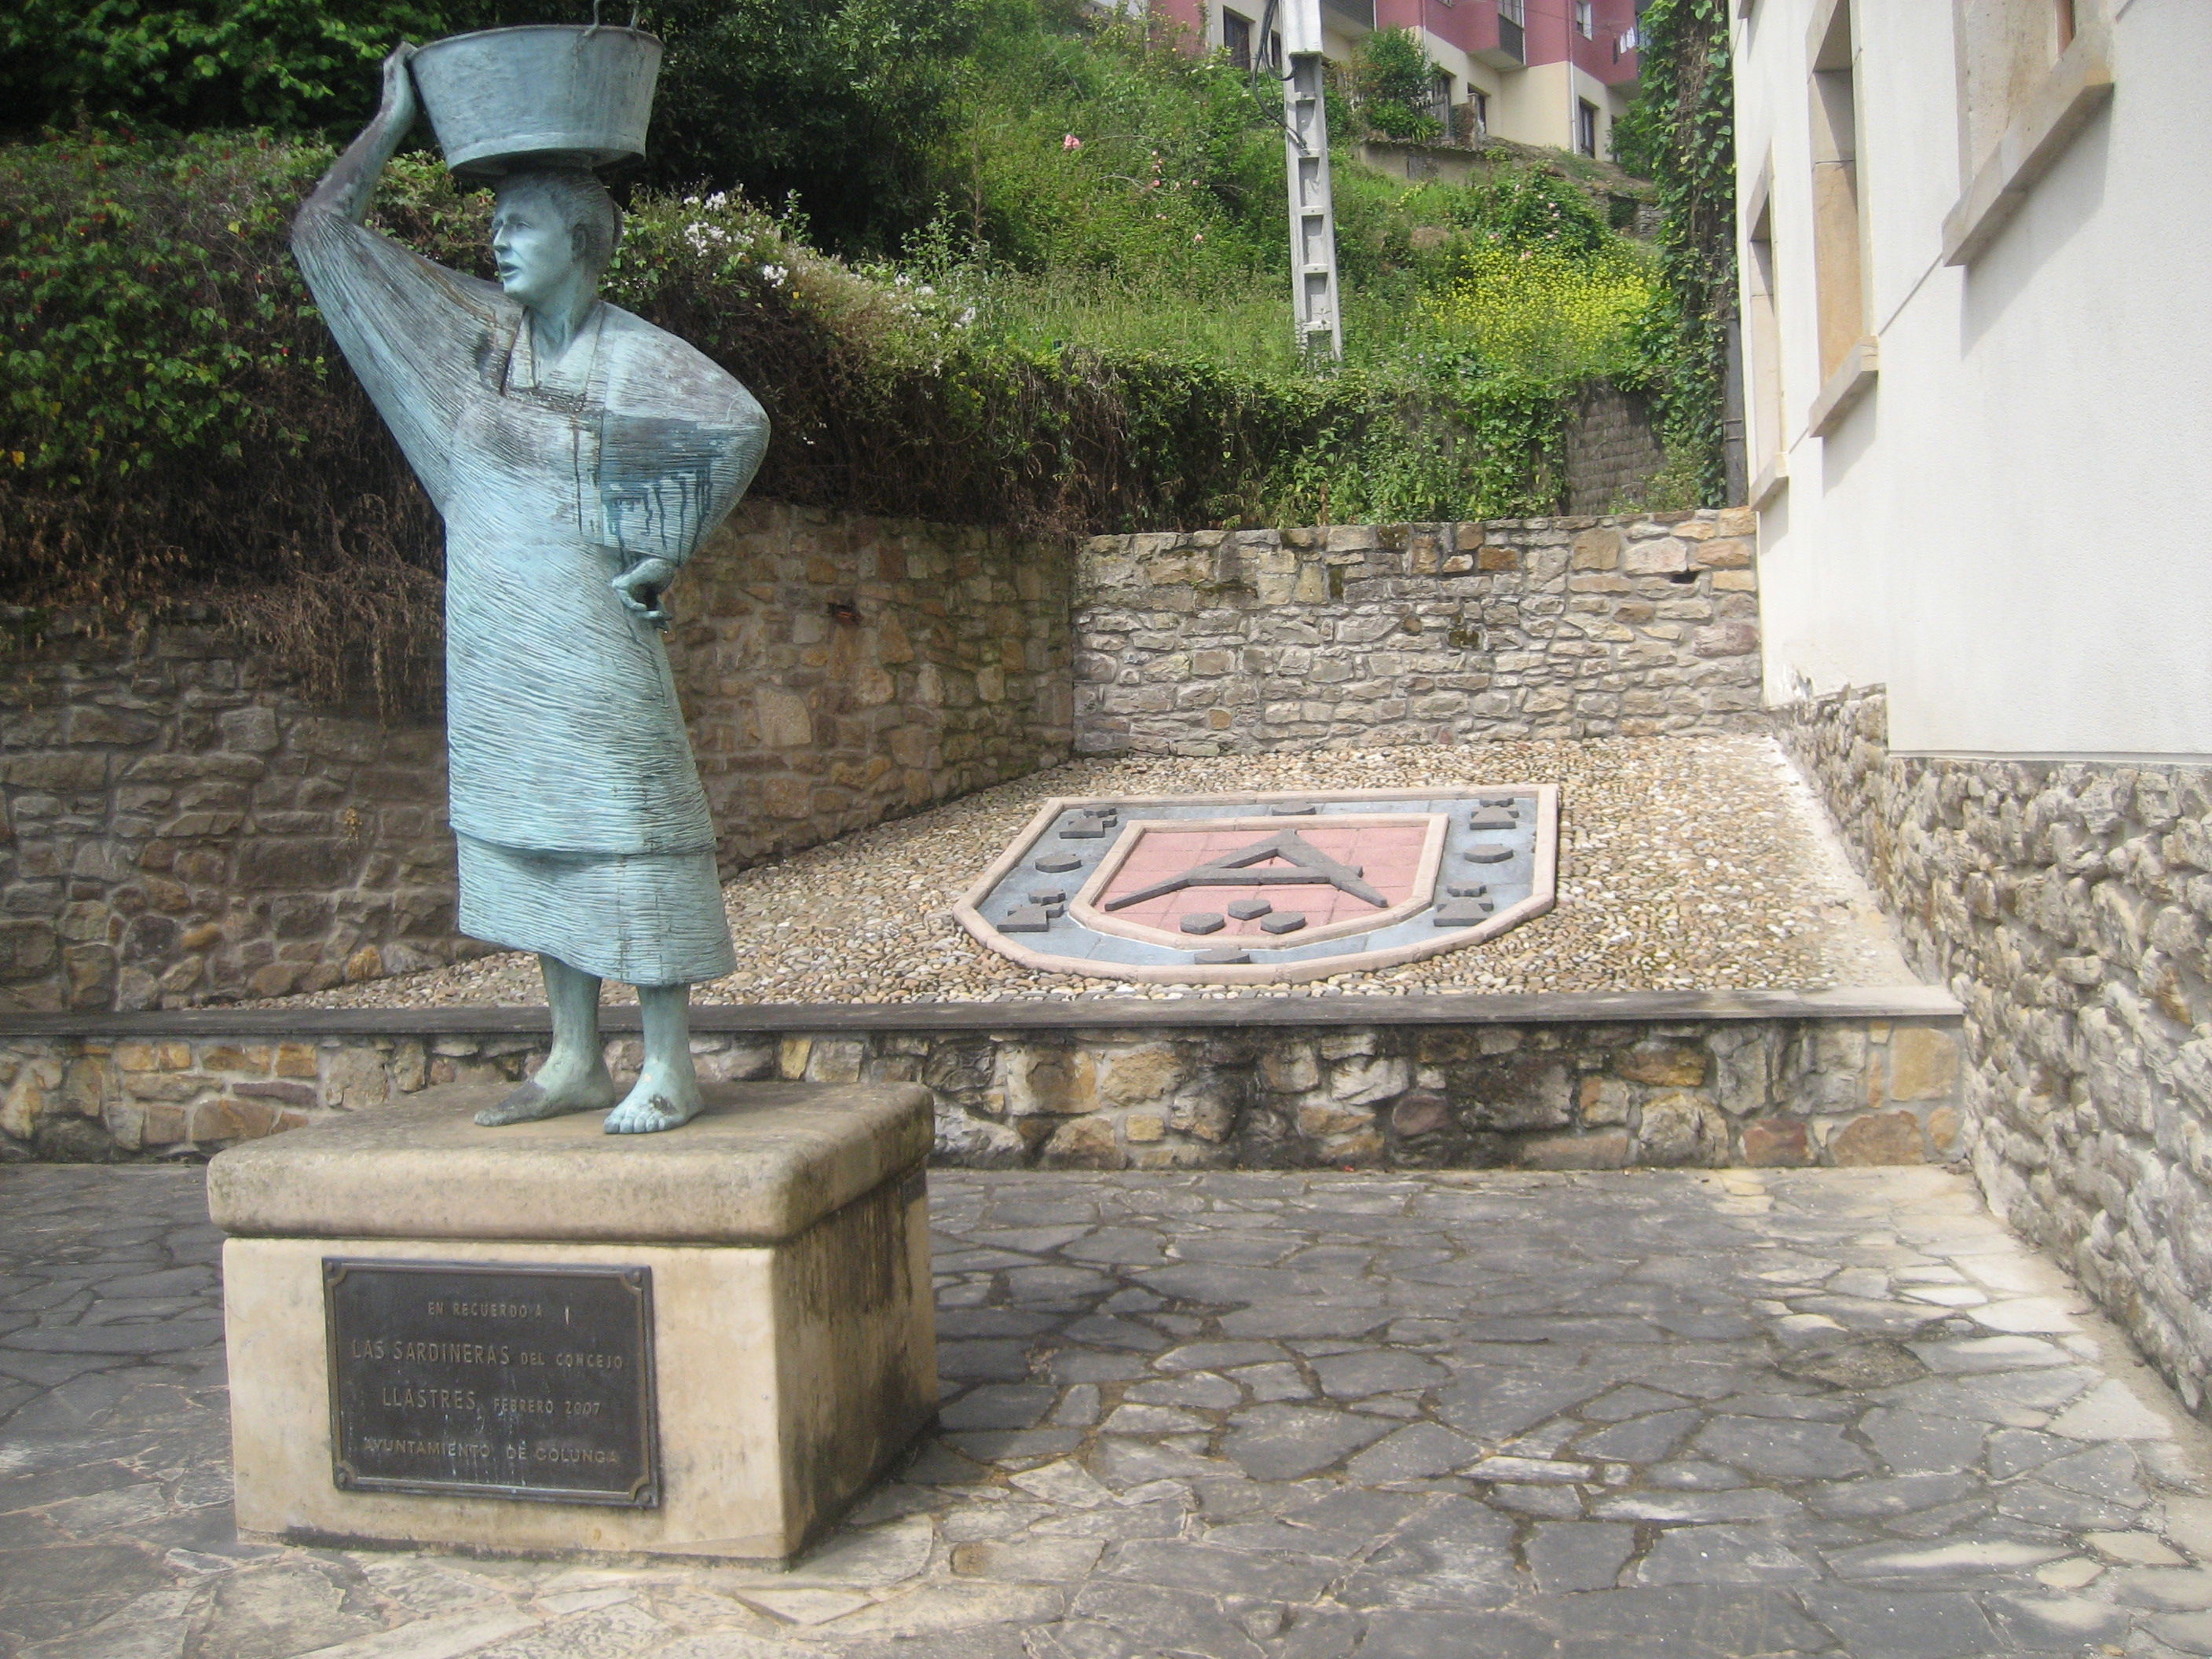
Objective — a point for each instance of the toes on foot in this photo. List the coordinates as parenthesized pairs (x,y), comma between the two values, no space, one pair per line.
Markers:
(517,1105)
(643,1116)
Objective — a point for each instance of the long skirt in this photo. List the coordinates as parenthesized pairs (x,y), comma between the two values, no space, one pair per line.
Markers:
(640,918)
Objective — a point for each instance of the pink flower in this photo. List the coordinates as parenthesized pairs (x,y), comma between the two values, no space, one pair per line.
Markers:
(1071,143)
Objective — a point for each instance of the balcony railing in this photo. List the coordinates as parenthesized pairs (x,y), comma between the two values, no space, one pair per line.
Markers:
(1361,12)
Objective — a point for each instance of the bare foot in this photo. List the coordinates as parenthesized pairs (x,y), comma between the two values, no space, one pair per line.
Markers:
(556,1091)
(658,1102)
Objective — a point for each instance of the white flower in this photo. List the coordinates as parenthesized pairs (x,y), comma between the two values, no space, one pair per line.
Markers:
(967,316)
(775,274)
(718,201)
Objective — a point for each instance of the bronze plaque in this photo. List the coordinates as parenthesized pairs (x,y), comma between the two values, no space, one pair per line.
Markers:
(461,1379)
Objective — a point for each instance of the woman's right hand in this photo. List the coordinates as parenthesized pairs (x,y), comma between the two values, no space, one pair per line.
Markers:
(401,106)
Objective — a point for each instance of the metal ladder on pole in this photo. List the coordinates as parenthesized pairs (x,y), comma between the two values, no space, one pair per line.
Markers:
(1315,311)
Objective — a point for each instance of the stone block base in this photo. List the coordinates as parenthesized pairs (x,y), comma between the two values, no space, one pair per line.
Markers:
(788,1370)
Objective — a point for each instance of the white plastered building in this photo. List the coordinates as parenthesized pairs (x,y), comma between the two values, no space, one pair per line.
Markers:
(1976,267)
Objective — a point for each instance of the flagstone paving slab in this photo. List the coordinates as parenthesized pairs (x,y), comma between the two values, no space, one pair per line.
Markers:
(1296,1415)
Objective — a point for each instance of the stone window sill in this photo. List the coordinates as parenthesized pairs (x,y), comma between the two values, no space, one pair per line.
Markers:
(1853,378)
(1773,479)
(2078,85)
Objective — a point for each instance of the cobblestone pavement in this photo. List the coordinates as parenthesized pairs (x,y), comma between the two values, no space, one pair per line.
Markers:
(1243,1416)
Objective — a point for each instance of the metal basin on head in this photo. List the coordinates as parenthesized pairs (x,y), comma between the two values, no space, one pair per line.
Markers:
(548,94)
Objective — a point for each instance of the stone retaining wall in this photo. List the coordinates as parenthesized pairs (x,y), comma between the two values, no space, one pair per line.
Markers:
(1519,1089)
(176,826)
(1613,450)
(839,671)
(1214,642)
(2066,905)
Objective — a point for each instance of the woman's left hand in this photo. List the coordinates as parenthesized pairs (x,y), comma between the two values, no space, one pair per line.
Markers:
(640,587)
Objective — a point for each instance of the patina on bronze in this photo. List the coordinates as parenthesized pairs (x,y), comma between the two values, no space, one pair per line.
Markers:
(461,1379)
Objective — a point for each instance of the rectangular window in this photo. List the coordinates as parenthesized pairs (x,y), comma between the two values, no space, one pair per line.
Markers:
(1586,128)
(1585,19)
(1762,331)
(1838,248)
(2031,74)
(1480,101)
(1236,39)
(1839,262)
(1514,11)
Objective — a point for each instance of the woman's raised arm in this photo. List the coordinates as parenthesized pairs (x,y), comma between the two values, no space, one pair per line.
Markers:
(345,190)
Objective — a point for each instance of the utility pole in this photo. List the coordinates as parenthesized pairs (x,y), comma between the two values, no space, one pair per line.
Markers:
(1315,311)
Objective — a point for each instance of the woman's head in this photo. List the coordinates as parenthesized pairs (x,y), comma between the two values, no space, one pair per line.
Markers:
(550,227)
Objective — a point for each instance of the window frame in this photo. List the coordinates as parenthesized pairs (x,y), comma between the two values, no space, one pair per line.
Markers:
(1767,428)
(1843,287)
(2078,85)
(1238,20)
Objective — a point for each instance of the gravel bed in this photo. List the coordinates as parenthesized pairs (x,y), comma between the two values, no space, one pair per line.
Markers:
(1699,863)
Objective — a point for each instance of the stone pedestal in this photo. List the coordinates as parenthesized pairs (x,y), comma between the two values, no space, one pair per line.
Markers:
(783,1236)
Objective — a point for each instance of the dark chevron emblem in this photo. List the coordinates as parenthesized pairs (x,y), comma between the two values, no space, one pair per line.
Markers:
(1308,867)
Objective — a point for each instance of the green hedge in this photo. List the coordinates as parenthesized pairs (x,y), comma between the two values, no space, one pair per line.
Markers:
(177,426)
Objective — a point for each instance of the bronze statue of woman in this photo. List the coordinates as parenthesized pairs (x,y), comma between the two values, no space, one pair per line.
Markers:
(578,456)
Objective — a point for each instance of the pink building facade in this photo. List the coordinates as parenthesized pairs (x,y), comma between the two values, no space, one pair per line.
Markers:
(1556,73)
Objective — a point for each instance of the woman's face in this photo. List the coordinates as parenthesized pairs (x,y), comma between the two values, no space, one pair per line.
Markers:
(533,246)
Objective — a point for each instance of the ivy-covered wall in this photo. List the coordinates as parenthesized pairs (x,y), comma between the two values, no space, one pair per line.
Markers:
(1682,129)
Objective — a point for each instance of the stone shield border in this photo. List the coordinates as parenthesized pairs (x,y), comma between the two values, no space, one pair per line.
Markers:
(1541,896)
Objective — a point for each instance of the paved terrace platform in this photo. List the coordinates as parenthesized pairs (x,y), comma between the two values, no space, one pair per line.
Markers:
(1645,1415)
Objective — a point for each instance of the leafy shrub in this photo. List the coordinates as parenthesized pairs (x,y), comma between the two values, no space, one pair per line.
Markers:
(1533,208)
(844,102)
(1545,314)
(178,427)
(295,65)
(1391,76)
(1089,332)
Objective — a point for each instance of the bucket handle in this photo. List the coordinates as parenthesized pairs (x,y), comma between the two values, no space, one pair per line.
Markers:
(594,29)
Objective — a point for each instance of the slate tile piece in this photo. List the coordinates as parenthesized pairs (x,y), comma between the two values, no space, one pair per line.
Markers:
(1222,958)
(1490,819)
(1283,921)
(1249,909)
(1461,913)
(1488,855)
(1028,919)
(1058,864)
(1203,922)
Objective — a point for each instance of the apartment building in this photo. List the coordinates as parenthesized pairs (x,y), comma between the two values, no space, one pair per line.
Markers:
(1557,73)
